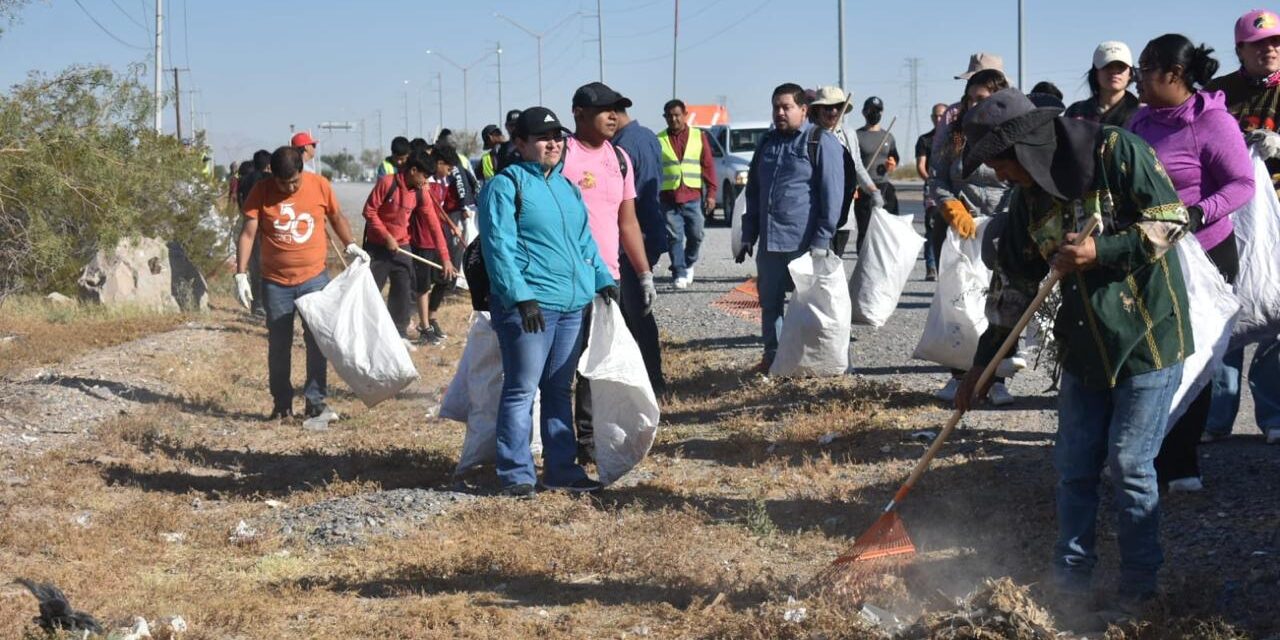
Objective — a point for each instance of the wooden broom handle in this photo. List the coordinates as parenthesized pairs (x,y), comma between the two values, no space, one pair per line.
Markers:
(987,373)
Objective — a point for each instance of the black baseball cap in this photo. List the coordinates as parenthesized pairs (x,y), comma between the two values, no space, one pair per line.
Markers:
(598,94)
(536,121)
(874,104)
(512,116)
(488,130)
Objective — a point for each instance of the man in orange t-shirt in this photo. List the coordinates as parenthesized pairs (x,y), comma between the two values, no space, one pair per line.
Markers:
(287,212)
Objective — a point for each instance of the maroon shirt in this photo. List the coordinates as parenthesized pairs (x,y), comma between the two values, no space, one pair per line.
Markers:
(685,193)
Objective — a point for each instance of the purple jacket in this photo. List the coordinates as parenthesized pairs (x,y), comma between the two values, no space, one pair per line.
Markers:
(1200,146)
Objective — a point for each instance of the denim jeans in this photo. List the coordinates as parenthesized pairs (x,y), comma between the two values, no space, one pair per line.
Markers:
(773,281)
(278,301)
(1264,382)
(935,235)
(684,234)
(543,361)
(1121,428)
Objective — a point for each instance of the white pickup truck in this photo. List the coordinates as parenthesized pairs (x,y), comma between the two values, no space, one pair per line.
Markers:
(732,146)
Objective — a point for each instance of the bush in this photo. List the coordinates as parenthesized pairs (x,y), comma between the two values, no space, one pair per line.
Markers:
(81,167)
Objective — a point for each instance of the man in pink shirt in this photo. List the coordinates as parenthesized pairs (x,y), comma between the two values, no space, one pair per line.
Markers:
(604,175)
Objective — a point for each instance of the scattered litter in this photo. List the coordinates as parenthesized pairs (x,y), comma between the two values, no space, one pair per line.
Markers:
(173,537)
(315,424)
(924,437)
(827,439)
(1258,554)
(137,631)
(243,533)
(998,609)
(881,618)
(58,298)
(793,613)
(275,504)
(168,628)
(639,630)
(83,518)
(886,449)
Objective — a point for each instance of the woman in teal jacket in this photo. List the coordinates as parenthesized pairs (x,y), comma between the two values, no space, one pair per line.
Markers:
(544,268)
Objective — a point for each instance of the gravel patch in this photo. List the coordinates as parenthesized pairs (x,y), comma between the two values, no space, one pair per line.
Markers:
(352,520)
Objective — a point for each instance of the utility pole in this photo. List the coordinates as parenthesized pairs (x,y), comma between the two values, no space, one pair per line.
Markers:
(840,38)
(675,48)
(406,108)
(159,80)
(191,110)
(498,50)
(465,70)
(537,36)
(440,98)
(177,103)
(913,66)
(1022,80)
(420,127)
(381,140)
(600,33)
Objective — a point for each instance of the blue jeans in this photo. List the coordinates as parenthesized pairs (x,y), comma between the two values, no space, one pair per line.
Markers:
(773,281)
(1123,428)
(278,301)
(684,234)
(543,361)
(1264,382)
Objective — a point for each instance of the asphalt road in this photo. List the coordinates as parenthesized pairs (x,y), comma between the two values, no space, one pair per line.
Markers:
(879,354)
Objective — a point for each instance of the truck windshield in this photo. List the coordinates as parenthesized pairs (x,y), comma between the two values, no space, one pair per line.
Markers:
(744,139)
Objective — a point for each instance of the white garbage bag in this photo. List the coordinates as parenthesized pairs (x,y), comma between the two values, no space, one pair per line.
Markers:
(473,396)
(815,329)
(356,334)
(1213,311)
(624,411)
(1257,226)
(884,263)
(957,314)
(735,226)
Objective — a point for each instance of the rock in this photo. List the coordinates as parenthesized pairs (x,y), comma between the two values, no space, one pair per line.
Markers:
(243,533)
(168,628)
(139,630)
(173,537)
(58,298)
(144,272)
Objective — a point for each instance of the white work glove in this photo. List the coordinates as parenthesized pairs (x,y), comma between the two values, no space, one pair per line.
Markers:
(877,199)
(817,254)
(244,292)
(1265,142)
(355,252)
(648,291)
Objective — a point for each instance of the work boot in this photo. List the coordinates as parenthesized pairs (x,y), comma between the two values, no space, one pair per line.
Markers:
(930,274)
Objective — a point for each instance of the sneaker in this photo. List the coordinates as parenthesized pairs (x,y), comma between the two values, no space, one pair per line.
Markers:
(688,276)
(1209,436)
(435,326)
(1273,435)
(681,283)
(585,485)
(999,395)
(930,274)
(524,491)
(1011,366)
(409,345)
(1186,485)
(948,392)
(323,412)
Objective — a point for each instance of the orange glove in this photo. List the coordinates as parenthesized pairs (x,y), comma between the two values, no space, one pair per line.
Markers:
(956,215)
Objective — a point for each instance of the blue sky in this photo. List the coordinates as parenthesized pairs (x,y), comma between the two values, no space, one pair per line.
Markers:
(262,65)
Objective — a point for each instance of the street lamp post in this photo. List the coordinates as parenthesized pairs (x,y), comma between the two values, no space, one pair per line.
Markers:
(537,36)
(406,108)
(464,70)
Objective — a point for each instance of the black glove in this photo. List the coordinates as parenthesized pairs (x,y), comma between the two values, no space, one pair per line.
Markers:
(742,255)
(1196,215)
(609,293)
(531,316)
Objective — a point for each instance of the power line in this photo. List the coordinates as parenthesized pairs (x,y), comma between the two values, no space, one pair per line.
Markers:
(701,41)
(186,40)
(106,30)
(131,18)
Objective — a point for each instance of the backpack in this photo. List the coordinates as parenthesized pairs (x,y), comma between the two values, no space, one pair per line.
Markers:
(850,170)
(473,256)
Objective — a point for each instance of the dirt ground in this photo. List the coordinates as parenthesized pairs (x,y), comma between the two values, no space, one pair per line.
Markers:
(140,478)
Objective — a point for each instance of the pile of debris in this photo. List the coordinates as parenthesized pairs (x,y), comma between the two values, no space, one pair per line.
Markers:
(998,610)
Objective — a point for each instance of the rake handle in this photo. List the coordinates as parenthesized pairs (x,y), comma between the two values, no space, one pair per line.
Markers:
(419,258)
(987,373)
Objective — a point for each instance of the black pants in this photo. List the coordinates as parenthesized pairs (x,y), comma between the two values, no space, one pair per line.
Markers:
(862,208)
(643,327)
(1178,457)
(399,269)
(582,424)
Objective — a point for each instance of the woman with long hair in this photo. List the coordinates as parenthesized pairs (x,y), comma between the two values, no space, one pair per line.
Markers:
(1110,101)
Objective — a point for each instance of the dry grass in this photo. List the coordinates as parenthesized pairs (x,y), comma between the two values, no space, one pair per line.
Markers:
(737,507)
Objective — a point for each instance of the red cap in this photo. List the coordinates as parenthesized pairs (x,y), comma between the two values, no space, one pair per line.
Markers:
(301,139)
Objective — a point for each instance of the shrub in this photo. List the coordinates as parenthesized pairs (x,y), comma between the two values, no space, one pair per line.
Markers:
(81,167)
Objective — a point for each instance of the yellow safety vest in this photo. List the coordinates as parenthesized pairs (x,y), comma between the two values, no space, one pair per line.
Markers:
(687,170)
(388,169)
(486,164)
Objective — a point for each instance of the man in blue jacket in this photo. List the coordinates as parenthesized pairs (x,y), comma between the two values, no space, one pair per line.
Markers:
(641,144)
(544,269)
(794,196)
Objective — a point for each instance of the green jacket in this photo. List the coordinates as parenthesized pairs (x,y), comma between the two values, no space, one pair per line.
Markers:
(1128,314)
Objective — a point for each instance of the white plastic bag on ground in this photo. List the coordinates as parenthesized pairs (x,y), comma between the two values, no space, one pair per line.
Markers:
(884,264)
(355,333)
(1213,310)
(957,314)
(473,396)
(815,329)
(1257,226)
(624,411)
(735,225)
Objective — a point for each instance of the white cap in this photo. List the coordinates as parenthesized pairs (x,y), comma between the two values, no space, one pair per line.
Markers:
(1112,51)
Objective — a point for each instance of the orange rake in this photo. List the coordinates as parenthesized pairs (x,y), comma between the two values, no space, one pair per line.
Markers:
(887,537)
(743,301)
